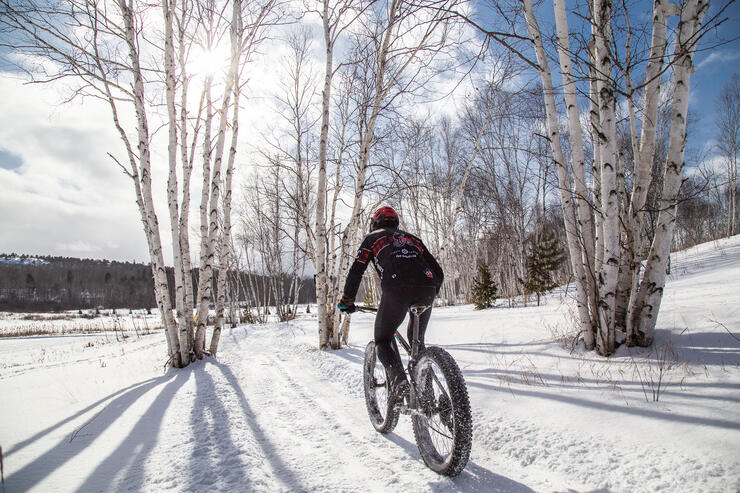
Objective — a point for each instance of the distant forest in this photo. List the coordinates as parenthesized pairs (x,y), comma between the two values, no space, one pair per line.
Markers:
(33,283)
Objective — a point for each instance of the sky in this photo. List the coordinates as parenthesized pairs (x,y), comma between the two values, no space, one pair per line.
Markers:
(63,195)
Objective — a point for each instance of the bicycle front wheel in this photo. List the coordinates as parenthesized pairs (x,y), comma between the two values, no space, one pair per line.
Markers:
(444,426)
(383,415)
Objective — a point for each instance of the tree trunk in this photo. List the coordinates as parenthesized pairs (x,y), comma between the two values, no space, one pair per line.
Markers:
(644,158)
(609,163)
(581,193)
(225,243)
(321,237)
(172,198)
(566,199)
(143,184)
(650,294)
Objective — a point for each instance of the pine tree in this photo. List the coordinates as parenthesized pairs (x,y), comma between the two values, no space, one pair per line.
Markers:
(484,289)
(544,259)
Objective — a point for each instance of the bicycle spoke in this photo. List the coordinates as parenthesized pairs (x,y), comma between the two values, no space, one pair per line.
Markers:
(439,432)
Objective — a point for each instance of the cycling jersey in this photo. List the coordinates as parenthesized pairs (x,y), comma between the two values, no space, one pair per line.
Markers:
(400,258)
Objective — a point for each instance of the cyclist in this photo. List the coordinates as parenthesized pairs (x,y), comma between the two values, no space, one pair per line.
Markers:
(409,275)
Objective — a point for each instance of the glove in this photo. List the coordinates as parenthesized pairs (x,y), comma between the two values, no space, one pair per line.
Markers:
(347,304)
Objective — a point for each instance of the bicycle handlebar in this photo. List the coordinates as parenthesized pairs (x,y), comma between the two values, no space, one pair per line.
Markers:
(360,308)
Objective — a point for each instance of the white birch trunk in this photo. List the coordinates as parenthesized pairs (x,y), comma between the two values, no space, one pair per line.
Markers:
(225,243)
(581,192)
(566,199)
(186,322)
(651,289)
(644,156)
(202,317)
(585,223)
(596,178)
(205,283)
(143,183)
(609,194)
(172,198)
(320,244)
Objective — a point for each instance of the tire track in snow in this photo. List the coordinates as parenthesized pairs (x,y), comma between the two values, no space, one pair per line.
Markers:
(327,445)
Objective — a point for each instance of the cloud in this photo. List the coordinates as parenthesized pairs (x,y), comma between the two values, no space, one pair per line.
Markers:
(79,246)
(60,189)
(724,56)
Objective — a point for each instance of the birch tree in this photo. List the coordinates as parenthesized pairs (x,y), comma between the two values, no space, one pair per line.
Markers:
(335,19)
(728,145)
(108,56)
(401,38)
(596,260)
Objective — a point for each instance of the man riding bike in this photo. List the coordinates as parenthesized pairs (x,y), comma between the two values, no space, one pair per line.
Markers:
(409,275)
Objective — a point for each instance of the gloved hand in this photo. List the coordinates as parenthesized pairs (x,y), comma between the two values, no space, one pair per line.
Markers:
(347,304)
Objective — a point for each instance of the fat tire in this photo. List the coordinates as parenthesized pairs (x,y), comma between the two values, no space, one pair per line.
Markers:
(383,416)
(462,423)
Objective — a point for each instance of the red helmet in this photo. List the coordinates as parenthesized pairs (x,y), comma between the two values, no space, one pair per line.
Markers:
(385,217)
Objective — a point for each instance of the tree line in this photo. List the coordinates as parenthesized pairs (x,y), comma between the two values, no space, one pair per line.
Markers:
(51,283)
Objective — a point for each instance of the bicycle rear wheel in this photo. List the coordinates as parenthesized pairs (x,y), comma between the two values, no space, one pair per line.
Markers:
(383,415)
(444,428)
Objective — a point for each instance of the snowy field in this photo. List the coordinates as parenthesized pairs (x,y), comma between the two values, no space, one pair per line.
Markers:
(93,412)
(126,322)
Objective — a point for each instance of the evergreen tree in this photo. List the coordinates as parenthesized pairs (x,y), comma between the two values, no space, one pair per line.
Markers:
(484,289)
(545,258)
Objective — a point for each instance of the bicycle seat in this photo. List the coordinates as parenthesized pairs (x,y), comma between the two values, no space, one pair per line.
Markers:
(418,309)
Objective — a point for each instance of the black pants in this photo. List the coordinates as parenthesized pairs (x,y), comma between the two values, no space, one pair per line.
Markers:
(394,305)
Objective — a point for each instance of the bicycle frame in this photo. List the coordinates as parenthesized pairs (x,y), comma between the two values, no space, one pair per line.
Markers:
(412,349)
(415,311)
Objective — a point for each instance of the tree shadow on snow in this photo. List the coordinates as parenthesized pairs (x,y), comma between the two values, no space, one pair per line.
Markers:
(352,354)
(708,348)
(282,470)
(129,455)
(473,478)
(585,383)
(215,458)
(667,416)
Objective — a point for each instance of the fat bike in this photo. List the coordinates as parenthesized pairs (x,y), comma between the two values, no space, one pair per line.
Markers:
(437,402)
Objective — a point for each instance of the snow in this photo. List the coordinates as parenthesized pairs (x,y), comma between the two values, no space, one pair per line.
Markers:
(93,412)
(22,260)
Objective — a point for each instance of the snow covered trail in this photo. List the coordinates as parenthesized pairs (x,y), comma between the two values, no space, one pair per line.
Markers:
(262,418)
(275,414)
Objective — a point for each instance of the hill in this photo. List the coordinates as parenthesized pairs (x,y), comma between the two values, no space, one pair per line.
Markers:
(274,414)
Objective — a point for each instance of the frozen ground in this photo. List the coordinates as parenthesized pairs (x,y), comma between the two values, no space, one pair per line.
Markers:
(92,413)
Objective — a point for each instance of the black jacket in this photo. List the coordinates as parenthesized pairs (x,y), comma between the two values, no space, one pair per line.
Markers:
(400,258)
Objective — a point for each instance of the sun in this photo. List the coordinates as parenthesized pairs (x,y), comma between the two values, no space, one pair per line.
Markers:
(205,62)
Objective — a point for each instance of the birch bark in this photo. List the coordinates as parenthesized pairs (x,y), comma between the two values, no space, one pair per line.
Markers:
(581,192)
(644,158)
(144,192)
(320,228)
(564,181)
(607,280)
(172,189)
(650,294)
(203,296)
(186,322)
(225,240)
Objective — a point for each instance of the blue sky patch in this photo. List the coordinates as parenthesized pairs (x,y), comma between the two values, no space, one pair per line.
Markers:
(10,161)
